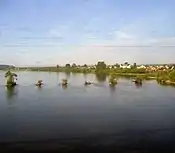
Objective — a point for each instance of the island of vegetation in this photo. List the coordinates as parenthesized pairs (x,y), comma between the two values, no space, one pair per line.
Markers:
(11,77)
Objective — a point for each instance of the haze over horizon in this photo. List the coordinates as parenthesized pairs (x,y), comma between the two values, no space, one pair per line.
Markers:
(42,32)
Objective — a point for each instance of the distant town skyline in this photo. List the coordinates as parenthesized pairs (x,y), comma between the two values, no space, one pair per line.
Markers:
(42,32)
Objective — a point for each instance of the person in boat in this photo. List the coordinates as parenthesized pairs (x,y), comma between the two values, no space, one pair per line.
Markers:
(39,83)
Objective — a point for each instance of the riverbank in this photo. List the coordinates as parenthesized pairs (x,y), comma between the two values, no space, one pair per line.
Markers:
(144,76)
(166,82)
(106,72)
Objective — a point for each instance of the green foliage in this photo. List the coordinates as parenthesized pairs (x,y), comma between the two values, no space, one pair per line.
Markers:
(117,65)
(166,77)
(127,71)
(10,78)
(74,65)
(113,80)
(8,73)
(100,66)
(172,75)
(134,65)
(67,65)
(102,70)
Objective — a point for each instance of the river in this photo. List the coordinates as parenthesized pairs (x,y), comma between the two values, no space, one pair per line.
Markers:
(124,116)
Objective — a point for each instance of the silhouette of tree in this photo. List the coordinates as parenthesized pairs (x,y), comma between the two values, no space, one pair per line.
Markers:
(101,65)
(74,65)
(67,65)
(126,63)
(134,65)
(84,65)
(117,65)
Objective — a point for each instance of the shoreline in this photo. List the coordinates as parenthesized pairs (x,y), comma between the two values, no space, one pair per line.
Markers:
(144,76)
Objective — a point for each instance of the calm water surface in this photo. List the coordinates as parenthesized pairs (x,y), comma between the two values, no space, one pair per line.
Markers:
(125,115)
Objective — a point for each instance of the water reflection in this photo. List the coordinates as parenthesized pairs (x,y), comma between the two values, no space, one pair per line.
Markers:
(39,88)
(64,87)
(74,74)
(168,85)
(85,76)
(138,85)
(57,76)
(11,92)
(101,77)
(112,89)
(68,74)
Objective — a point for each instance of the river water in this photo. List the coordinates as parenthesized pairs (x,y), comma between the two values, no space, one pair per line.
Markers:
(124,116)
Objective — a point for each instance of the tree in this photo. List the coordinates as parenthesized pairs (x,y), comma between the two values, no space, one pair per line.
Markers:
(84,65)
(117,65)
(67,65)
(172,75)
(126,63)
(134,65)
(101,65)
(58,66)
(10,78)
(74,65)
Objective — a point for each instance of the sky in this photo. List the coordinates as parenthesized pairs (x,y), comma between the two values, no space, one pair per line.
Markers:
(51,32)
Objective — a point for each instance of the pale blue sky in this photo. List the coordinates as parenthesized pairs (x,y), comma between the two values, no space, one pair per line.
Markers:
(49,32)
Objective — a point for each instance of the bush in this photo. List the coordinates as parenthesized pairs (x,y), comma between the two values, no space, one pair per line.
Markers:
(172,75)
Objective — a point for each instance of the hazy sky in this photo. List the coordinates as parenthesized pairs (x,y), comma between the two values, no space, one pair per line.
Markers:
(50,32)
